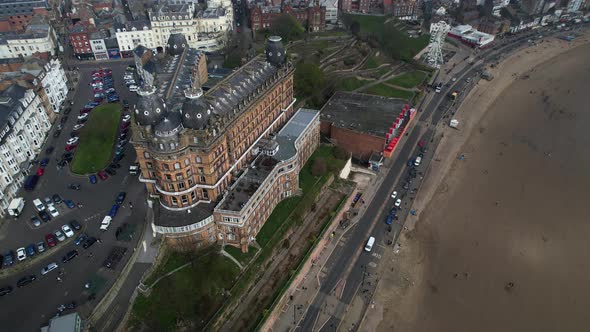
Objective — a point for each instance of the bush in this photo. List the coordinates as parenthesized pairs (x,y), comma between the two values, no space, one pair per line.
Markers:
(341,153)
(287,26)
(319,167)
(349,62)
(309,78)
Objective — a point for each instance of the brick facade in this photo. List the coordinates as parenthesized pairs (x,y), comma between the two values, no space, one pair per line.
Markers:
(360,145)
(312,18)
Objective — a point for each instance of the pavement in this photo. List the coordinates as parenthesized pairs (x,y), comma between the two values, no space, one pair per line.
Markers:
(24,309)
(336,293)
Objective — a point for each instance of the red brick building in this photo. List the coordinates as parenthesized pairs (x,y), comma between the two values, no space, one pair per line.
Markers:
(80,40)
(313,18)
(354,6)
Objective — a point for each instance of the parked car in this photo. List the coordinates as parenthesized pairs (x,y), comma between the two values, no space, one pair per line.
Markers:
(67,110)
(69,203)
(53,211)
(74,186)
(22,282)
(78,126)
(113,211)
(89,242)
(57,133)
(40,246)
(8,259)
(394,194)
(80,239)
(75,225)
(102,175)
(120,197)
(45,160)
(21,254)
(110,171)
(56,199)
(92,179)
(50,267)
(69,256)
(67,230)
(44,216)
(398,202)
(50,239)
(73,141)
(59,235)
(48,201)
(5,290)
(83,117)
(30,250)
(35,221)
(40,171)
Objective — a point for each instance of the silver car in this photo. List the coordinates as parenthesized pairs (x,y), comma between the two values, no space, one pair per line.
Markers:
(59,235)
(40,246)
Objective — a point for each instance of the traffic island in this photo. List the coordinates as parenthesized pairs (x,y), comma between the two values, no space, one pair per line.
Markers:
(97,139)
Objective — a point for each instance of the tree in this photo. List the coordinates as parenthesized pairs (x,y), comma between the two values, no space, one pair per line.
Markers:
(319,167)
(309,79)
(341,153)
(287,26)
(355,28)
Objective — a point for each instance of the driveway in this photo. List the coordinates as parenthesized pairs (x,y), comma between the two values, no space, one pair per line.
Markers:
(31,307)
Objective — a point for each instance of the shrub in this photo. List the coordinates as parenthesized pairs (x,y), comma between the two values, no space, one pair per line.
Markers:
(319,167)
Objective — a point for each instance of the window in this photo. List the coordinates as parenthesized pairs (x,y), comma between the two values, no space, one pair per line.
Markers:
(190,182)
(166,167)
(189,172)
(174,201)
(180,185)
(186,162)
(199,160)
(184,199)
(176,165)
(202,179)
(148,165)
(193,195)
(170,187)
(168,177)
(201,170)
(205,195)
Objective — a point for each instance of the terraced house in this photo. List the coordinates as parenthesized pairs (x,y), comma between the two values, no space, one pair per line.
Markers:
(218,162)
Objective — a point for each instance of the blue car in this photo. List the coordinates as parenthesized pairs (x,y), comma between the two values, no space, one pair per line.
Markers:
(120,197)
(44,162)
(92,179)
(69,203)
(80,239)
(113,211)
(30,250)
(8,258)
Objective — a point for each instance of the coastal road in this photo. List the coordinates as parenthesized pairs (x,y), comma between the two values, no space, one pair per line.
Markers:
(30,307)
(348,264)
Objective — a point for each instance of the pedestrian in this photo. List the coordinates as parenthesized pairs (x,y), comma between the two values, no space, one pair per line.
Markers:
(130,205)
(58,279)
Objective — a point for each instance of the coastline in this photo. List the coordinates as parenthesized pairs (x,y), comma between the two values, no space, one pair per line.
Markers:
(405,281)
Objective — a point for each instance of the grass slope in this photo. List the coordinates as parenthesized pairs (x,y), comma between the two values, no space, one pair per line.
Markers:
(408,80)
(386,91)
(97,139)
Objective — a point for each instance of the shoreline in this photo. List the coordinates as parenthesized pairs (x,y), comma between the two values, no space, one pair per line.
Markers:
(412,260)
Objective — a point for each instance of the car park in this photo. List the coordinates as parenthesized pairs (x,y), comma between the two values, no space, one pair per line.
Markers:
(67,230)
(38,205)
(35,221)
(80,239)
(30,250)
(8,259)
(89,242)
(53,211)
(69,256)
(92,179)
(5,290)
(50,267)
(59,235)
(75,225)
(40,246)
(56,199)
(69,203)
(21,254)
(25,280)
(44,216)
(50,239)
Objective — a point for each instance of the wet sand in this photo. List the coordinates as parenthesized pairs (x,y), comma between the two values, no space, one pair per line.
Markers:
(515,210)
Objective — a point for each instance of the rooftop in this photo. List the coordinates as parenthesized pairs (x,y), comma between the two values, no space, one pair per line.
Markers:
(363,113)
(167,218)
(211,13)
(283,147)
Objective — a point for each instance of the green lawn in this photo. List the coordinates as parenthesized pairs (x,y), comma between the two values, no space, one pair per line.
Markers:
(171,261)
(187,298)
(408,80)
(368,24)
(386,91)
(349,84)
(97,139)
(372,62)
(277,218)
(243,258)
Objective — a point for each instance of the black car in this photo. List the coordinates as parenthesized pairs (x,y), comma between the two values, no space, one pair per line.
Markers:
(8,258)
(110,171)
(69,256)
(113,165)
(49,149)
(62,163)
(56,199)
(67,156)
(57,133)
(75,225)
(74,186)
(44,216)
(118,157)
(74,134)
(5,290)
(25,280)
(67,110)
(89,242)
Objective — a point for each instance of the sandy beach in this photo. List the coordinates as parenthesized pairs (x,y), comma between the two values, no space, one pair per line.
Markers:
(513,211)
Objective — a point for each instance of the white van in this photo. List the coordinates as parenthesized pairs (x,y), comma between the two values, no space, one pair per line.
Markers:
(38,205)
(369,245)
(417,161)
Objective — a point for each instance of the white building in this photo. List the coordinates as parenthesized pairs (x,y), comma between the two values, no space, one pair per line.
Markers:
(135,33)
(331,10)
(39,37)
(23,128)
(98,46)
(55,84)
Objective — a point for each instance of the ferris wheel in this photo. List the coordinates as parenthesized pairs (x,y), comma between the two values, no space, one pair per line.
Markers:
(438,32)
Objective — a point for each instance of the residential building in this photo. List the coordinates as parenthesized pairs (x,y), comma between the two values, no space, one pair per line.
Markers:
(193,146)
(310,16)
(55,84)
(98,46)
(404,10)
(23,127)
(79,36)
(355,6)
(66,323)
(331,6)
(133,34)
(15,8)
(38,37)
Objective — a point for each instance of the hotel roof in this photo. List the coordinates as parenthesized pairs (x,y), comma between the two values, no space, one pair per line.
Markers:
(363,113)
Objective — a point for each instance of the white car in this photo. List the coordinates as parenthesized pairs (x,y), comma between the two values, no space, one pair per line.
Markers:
(83,116)
(73,140)
(394,194)
(106,222)
(453,79)
(67,230)
(20,254)
(133,88)
(53,211)
(398,202)
(78,126)
(49,268)
(38,205)
(126,118)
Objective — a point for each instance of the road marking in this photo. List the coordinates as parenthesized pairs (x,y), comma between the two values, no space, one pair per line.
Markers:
(144,245)
(376,255)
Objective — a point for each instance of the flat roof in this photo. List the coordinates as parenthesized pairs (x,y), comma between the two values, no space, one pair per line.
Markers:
(368,114)
(168,218)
